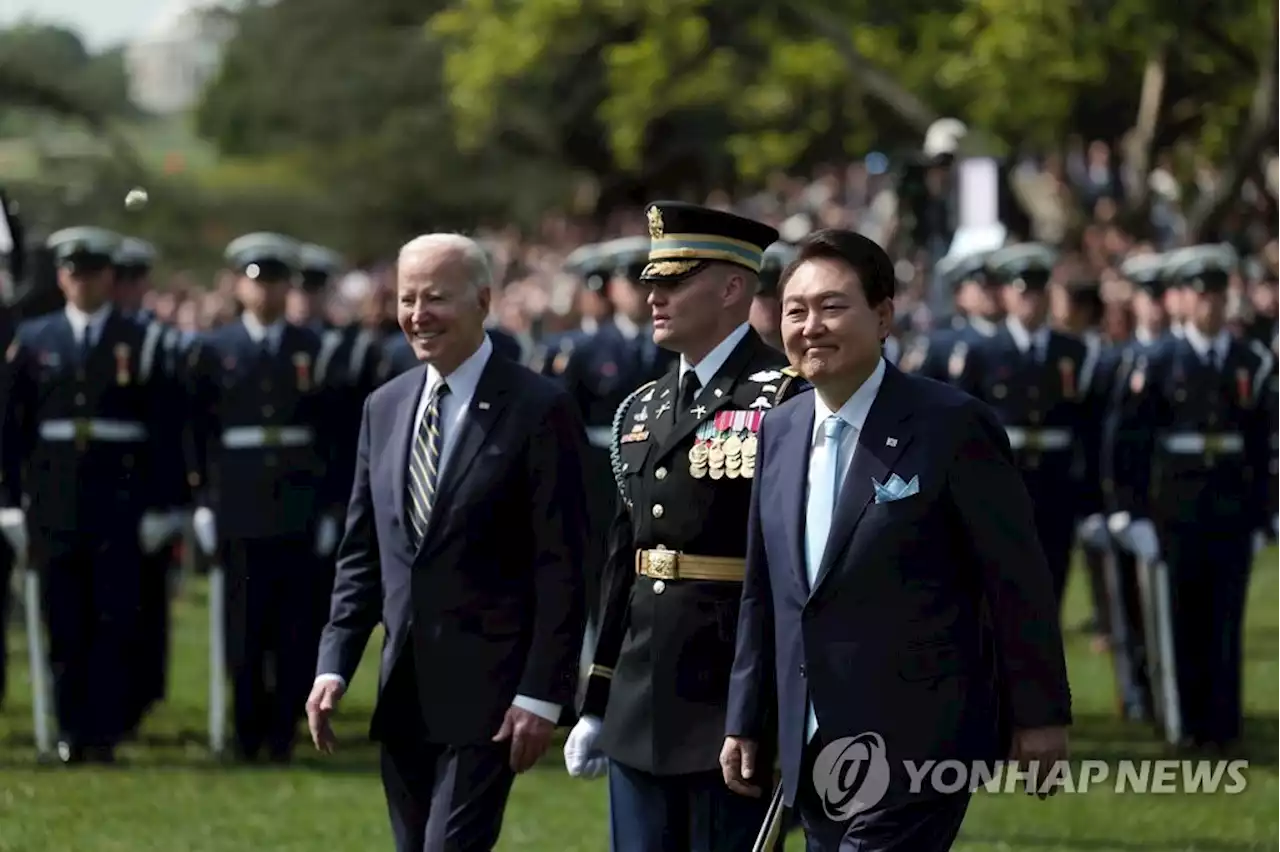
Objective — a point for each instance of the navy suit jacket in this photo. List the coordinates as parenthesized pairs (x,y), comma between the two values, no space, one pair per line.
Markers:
(932,622)
(491,605)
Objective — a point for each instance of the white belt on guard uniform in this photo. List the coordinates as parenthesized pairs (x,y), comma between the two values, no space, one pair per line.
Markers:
(600,436)
(251,437)
(1038,439)
(93,429)
(1195,443)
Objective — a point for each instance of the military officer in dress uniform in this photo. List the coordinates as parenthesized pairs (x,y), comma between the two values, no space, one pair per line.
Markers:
(939,354)
(85,452)
(1036,380)
(766,309)
(134,259)
(1188,421)
(684,457)
(260,443)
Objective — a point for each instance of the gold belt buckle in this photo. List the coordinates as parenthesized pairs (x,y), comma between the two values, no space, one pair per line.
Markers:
(82,431)
(271,436)
(663,564)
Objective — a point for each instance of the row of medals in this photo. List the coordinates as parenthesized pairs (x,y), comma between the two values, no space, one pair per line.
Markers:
(721,457)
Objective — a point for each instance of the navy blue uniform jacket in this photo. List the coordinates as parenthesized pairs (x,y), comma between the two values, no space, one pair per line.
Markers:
(491,605)
(932,622)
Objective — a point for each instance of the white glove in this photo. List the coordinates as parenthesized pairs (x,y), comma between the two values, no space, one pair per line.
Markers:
(1259,541)
(205,528)
(157,528)
(581,757)
(1093,533)
(13,526)
(326,537)
(1118,523)
(1142,540)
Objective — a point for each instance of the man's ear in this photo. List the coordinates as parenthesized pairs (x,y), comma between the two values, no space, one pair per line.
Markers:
(484,298)
(884,315)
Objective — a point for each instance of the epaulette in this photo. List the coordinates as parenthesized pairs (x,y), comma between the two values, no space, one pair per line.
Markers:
(615,433)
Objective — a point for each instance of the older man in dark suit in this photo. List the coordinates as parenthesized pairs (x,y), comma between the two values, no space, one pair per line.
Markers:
(897,605)
(464,538)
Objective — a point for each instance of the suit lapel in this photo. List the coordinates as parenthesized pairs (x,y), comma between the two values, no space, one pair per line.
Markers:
(716,395)
(880,444)
(486,407)
(794,445)
(402,439)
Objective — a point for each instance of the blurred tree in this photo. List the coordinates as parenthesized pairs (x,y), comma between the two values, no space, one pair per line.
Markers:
(57,57)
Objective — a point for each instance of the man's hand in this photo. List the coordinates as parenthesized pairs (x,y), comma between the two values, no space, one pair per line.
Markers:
(323,701)
(530,734)
(738,764)
(1036,751)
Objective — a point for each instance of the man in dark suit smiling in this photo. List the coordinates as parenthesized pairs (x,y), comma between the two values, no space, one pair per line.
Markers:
(895,590)
(464,538)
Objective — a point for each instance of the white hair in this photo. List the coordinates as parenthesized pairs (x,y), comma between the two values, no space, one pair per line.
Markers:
(473,256)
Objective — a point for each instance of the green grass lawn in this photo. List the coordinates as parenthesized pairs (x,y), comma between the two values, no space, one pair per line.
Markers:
(172,798)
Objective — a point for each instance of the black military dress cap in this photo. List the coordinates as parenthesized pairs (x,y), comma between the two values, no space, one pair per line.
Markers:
(954,270)
(1026,267)
(777,257)
(1148,272)
(265,256)
(83,248)
(318,264)
(1203,268)
(686,237)
(134,254)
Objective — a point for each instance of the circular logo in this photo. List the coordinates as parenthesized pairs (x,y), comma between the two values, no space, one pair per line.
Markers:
(851,774)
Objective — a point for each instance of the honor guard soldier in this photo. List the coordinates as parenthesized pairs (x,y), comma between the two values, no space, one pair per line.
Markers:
(1036,380)
(941,353)
(260,451)
(134,259)
(766,308)
(11,261)
(1187,421)
(684,457)
(86,457)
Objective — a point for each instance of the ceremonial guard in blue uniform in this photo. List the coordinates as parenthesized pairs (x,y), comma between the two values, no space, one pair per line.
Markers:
(1036,380)
(941,353)
(261,447)
(684,458)
(87,455)
(134,259)
(1126,630)
(1189,426)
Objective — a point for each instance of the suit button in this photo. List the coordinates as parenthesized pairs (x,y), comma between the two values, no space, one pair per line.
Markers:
(268,410)
(79,399)
(660,473)
(657,510)
(659,587)
(802,674)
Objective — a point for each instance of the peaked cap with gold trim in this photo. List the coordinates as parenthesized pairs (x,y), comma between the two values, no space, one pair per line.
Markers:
(685,238)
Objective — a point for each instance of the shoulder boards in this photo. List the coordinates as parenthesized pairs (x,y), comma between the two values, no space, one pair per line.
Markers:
(791,372)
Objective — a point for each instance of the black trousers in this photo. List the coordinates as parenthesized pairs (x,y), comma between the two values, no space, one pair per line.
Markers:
(440,798)
(7,559)
(275,597)
(91,591)
(151,639)
(898,823)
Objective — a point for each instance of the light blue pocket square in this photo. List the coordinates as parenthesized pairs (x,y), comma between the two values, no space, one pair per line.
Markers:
(896,488)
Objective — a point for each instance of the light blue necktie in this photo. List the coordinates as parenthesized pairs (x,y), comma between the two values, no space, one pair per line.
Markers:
(824,486)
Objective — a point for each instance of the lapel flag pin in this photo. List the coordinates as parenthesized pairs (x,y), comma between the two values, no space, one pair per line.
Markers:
(891,442)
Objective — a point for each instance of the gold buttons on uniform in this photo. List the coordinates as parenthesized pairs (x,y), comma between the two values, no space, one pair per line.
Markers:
(657,510)
(659,587)
(660,473)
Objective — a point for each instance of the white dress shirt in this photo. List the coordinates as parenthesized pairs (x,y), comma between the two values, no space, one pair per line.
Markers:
(82,322)
(707,368)
(854,413)
(453,408)
(259,332)
(1219,345)
(1035,341)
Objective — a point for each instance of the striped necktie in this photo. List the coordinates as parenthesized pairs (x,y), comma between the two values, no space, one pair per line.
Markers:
(424,468)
